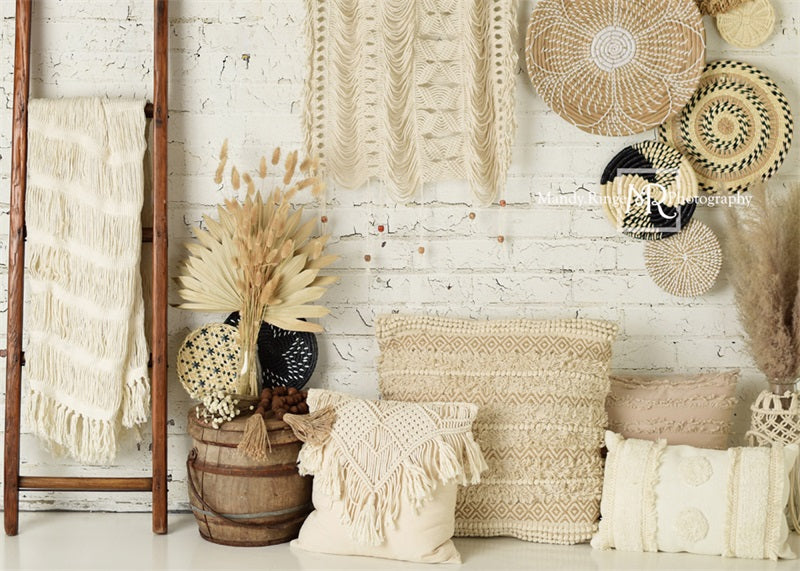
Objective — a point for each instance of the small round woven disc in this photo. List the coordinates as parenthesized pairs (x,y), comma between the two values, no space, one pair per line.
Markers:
(736,130)
(715,7)
(208,361)
(648,191)
(615,67)
(748,25)
(687,264)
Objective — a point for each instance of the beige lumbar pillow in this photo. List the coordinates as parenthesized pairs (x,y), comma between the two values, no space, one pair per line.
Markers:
(680,498)
(386,476)
(541,387)
(696,410)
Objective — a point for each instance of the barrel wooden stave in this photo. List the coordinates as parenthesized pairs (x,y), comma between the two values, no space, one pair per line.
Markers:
(258,502)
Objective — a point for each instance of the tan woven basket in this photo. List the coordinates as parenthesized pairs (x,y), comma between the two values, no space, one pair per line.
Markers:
(748,25)
(687,264)
(617,67)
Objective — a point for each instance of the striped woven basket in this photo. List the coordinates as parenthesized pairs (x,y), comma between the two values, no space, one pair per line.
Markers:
(736,130)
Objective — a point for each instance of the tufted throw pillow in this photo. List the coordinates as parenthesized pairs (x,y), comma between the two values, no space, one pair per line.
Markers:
(541,387)
(696,409)
(680,498)
(385,477)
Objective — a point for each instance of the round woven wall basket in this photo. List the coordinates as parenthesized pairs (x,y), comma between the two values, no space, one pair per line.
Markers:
(748,25)
(618,67)
(685,265)
(208,360)
(648,191)
(736,130)
(287,358)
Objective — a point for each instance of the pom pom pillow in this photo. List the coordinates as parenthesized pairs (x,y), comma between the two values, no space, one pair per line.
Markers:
(696,410)
(385,477)
(541,387)
(711,502)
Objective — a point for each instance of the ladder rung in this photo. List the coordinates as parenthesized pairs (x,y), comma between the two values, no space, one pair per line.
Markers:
(52,484)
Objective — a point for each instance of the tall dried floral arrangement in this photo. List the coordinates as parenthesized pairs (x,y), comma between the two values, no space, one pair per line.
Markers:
(259,257)
(764,255)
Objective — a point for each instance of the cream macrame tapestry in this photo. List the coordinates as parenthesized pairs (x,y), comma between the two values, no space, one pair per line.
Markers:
(87,353)
(411,91)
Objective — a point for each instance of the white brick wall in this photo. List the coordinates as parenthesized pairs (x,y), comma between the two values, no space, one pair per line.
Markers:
(557,261)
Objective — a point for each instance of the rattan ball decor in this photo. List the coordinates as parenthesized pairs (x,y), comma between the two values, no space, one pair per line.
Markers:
(715,7)
(736,130)
(686,264)
(208,361)
(748,25)
(618,67)
(649,191)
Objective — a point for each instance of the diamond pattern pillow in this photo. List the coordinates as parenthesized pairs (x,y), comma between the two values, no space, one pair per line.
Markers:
(541,387)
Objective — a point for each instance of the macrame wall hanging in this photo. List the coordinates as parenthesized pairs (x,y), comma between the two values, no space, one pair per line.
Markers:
(618,67)
(411,91)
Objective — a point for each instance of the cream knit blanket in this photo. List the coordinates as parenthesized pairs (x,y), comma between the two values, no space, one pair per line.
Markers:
(87,353)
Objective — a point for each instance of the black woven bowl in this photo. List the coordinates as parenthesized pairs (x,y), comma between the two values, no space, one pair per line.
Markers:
(288,358)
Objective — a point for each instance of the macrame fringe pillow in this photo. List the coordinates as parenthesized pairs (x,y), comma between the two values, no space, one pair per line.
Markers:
(385,476)
(412,91)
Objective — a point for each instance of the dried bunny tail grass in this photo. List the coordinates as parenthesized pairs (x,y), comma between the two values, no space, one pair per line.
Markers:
(764,247)
(291,165)
(262,168)
(276,155)
(223,160)
(236,182)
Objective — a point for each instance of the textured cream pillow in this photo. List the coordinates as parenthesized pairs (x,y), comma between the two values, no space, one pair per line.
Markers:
(679,498)
(541,387)
(385,479)
(696,409)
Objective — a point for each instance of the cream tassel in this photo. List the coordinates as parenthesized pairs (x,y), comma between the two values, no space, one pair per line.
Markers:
(255,439)
(314,428)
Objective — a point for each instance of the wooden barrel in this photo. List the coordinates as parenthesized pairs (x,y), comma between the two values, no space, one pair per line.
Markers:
(240,501)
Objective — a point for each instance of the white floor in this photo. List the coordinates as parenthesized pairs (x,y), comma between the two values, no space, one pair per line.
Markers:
(70,540)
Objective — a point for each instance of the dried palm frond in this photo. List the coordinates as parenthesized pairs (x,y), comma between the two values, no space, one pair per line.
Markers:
(764,253)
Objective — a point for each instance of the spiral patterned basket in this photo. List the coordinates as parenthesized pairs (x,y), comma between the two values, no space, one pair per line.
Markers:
(748,25)
(615,67)
(648,191)
(287,358)
(685,265)
(736,130)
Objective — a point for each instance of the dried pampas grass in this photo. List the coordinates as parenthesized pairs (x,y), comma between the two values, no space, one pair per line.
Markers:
(764,251)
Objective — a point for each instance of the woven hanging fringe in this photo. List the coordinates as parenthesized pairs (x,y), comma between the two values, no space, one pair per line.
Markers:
(371,468)
(776,419)
(87,353)
(411,91)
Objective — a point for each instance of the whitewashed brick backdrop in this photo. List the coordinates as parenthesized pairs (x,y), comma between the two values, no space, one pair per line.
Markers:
(236,71)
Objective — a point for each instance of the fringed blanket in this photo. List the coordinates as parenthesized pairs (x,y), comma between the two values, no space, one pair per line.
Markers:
(87,353)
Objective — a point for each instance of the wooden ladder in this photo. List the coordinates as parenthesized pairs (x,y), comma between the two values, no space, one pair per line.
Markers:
(157,234)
